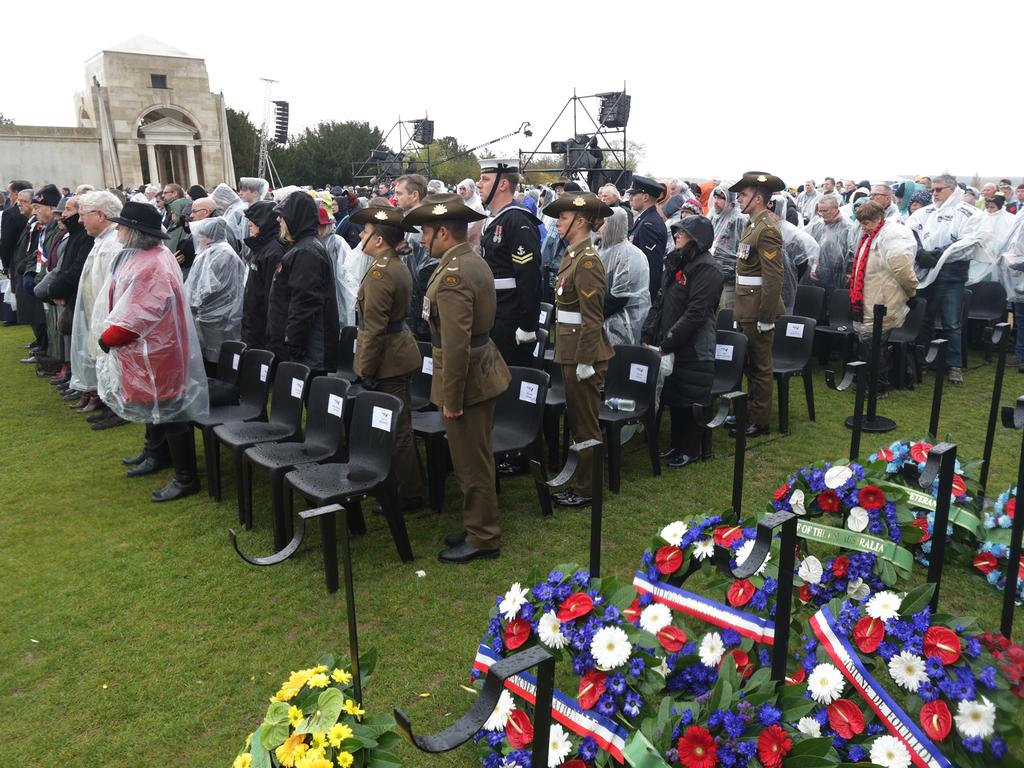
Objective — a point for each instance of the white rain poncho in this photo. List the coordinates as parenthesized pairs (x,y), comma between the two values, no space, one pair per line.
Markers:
(828,270)
(729,226)
(628,276)
(158,377)
(252,182)
(995,230)
(346,285)
(232,210)
(85,334)
(954,227)
(807,205)
(215,286)
(1011,262)
(798,247)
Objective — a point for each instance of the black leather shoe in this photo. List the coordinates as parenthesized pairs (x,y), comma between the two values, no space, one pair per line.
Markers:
(466,553)
(571,499)
(131,461)
(148,466)
(667,455)
(176,489)
(454,539)
(681,460)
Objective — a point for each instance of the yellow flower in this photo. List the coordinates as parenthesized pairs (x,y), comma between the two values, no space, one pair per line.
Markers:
(292,749)
(338,733)
(242,761)
(353,709)
(291,687)
(315,758)
(345,759)
(295,716)
(319,680)
(319,669)
(319,740)
(341,676)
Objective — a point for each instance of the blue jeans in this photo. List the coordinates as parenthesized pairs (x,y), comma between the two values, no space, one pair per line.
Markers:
(1018,326)
(949,301)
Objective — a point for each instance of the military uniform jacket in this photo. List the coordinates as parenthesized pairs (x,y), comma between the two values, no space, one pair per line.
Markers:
(510,245)
(385,346)
(579,296)
(650,236)
(459,305)
(759,272)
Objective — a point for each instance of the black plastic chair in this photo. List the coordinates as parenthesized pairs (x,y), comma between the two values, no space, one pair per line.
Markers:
(539,349)
(810,301)
(839,328)
(554,410)
(324,427)
(724,321)
(419,387)
(546,316)
(253,385)
(229,361)
(347,354)
(366,473)
(428,424)
(987,307)
(730,358)
(632,374)
(791,355)
(284,425)
(903,341)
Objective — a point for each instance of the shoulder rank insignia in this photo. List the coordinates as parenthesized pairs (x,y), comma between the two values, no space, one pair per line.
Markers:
(439,210)
(381,216)
(377,274)
(451,280)
(588,294)
(522,256)
(770,254)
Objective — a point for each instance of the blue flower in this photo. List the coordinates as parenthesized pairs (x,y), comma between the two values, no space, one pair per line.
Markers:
(519,758)
(856,754)
(588,748)
(493,760)
(636,666)
(974,744)
(606,705)
(998,747)
(631,705)
(730,637)
(555,577)
(617,684)
(494,738)
(988,677)
(733,724)
(768,715)
(973,647)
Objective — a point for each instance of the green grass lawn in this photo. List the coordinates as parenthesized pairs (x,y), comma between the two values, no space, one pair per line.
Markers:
(133,635)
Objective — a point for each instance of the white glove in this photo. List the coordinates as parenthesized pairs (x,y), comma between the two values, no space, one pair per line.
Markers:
(765,327)
(584,371)
(523,337)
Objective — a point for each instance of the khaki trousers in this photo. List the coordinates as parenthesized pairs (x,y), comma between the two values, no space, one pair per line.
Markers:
(759,373)
(469,440)
(407,472)
(583,402)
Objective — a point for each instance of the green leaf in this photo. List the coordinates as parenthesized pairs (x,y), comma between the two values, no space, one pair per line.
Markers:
(640,637)
(275,727)
(328,709)
(815,746)
(260,754)
(916,600)
(382,759)
(807,761)
(623,597)
(911,534)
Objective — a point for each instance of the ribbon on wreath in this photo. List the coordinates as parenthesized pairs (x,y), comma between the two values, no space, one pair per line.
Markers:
(859,542)
(609,736)
(758,629)
(921,500)
(923,751)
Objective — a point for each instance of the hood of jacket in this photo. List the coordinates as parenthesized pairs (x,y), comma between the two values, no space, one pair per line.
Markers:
(699,229)
(262,215)
(301,214)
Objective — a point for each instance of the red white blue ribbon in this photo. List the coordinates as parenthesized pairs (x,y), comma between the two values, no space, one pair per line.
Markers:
(757,628)
(923,751)
(609,736)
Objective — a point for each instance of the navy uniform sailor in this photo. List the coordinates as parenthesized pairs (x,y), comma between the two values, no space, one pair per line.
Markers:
(648,232)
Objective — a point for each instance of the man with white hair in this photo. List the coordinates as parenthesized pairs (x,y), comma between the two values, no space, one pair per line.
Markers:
(807,201)
(151,191)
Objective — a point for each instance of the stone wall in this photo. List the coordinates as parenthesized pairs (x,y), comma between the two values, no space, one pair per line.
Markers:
(66,157)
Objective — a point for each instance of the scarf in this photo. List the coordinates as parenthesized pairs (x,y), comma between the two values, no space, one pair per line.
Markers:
(860,268)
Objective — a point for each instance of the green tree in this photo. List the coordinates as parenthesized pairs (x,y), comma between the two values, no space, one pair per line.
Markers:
(245,142)
(463,165)
(324,154)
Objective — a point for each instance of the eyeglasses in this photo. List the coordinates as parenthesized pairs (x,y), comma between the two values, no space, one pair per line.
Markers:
(939,189)
(879,194)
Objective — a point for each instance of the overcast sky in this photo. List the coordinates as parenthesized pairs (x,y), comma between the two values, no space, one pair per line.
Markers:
(802,89)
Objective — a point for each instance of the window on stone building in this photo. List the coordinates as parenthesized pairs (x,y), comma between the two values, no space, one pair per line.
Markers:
(158,81)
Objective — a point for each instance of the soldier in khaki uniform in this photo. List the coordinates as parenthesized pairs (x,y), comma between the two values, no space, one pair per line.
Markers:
(582,347)
(759,274)
(469,373)
(386,351)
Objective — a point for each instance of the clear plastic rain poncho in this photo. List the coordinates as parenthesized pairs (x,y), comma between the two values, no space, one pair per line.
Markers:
(158,377)
(85,335)
(995,230)
(232,210)
(215,286)
(252,182)
(1011,262)
(798,248)
(729,226)
(346,284)
(955,227)
(628,276)
(833,239)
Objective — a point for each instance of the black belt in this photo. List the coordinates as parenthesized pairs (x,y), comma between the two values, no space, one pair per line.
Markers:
(396,327)
(474,341)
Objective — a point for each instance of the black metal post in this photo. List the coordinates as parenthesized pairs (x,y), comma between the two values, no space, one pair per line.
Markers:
(596,509)
(936,357)
(737,403)
(855,374)
(873,422)
(1013,417)
(350,608)
(941,463)
(999,337)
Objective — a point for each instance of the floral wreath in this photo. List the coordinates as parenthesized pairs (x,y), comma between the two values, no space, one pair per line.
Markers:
(993,553)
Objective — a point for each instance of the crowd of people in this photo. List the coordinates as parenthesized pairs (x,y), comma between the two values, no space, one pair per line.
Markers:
(130,295)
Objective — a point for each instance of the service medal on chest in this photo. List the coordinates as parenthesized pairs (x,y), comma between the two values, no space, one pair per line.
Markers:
(497,234)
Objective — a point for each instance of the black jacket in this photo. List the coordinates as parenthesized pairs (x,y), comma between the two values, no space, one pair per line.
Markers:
(266,250)
(682,319)
(302,319)
(12,224)
(64,284)
(650,236)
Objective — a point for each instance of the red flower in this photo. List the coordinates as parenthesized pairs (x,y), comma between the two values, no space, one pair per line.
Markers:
(519,729)
(772,745)
(697,748)
(868,634)
(671,638)
(726,537)
(885,454)
(845,718)
(781,491)
(943,644)
(936,719)
(959,486)
(805,593)
(574,763)
(632,613)
(797,677)
(517,632)
(871,497)
(840,566)
(591,687)
(740,592)
(828,501)
(985,562)
(921,523)
(575,605)
(919,451)
(668,559)
(1011,507)
(744,667)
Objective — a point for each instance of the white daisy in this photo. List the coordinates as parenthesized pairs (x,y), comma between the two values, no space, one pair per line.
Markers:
(673,532)
(655,617)
(663,668)
(610,648)
(744,552)
(857,589)
(884,605)
(549,629)
(810,570)
(514,599)
(889,752)
(499,717)
(974,718)
(711,649)
(857,520)
(796,502)
(704,549)
(907,670)
(809,726)
(836,477)
(559,746)
(825,683)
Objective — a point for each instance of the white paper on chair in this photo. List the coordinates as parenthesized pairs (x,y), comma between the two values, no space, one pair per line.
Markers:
(354,342)
(723,351)
(235,360)
(795,330)
(543,319)
(638,373)
(528,392)
(381,418)
(264,372)
(297,387)
(428,366)
(335,404)
(536,349)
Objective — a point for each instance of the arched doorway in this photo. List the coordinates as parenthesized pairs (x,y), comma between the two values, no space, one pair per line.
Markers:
(168,144)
